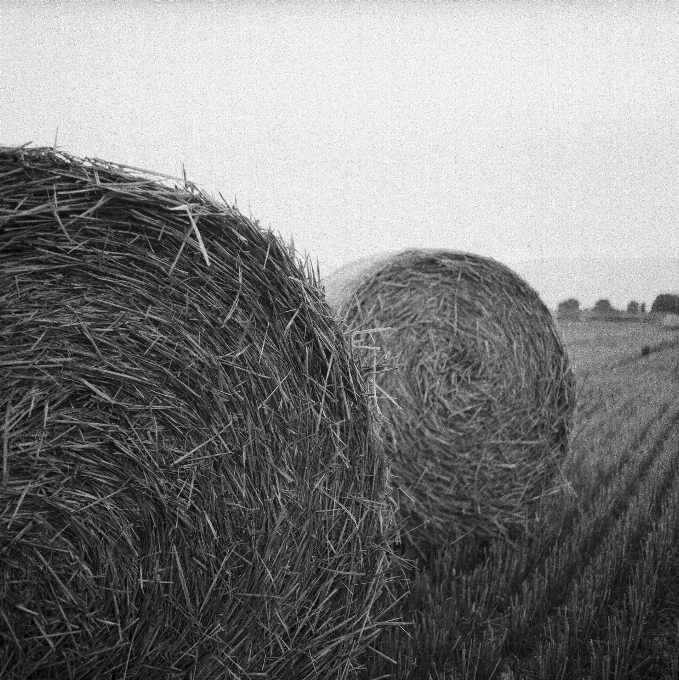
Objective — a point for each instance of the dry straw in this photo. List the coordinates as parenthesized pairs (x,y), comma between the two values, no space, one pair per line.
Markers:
(480,392)
(189,485)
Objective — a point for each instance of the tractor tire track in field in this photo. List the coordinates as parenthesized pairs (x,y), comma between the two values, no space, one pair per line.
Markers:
(548,587)
(637,442)
(511,567)
(633,483)
(560,525)
(623,406)
(597,632)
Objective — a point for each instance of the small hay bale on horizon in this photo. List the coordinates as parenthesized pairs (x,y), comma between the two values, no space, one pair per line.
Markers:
(190,486)
(480,390)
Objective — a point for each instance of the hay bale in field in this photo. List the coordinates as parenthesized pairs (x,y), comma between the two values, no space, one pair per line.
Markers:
(189,486)
(483,389)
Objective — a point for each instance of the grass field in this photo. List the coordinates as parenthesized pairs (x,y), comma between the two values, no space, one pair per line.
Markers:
(593,590)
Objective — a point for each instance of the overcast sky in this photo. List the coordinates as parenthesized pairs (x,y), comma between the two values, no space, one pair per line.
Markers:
(511,129)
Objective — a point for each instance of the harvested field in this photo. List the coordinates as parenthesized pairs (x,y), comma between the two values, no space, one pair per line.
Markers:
(190,486)
(596,345)
(478,392)
(591,592)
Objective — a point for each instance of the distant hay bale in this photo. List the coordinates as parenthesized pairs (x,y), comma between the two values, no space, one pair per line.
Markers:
(482,383)
(190,487)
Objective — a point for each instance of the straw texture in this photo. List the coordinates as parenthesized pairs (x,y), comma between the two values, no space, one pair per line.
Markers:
(481,382)
(189,487)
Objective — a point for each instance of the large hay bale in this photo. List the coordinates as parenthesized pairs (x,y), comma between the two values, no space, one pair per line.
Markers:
(190,487)
(483,389)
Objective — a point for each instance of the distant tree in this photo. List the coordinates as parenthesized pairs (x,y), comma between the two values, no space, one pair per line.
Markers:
(604,307)
(570,305)
(633,308)
(667,303)
(569,309)
(643,308)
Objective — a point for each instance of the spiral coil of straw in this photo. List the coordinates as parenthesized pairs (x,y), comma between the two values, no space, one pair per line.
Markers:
(190,486)
(481,393)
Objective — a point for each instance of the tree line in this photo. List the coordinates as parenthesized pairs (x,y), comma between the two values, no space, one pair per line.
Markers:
(665,303)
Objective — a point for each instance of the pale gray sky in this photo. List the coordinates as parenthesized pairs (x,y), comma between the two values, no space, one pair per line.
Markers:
(511,129)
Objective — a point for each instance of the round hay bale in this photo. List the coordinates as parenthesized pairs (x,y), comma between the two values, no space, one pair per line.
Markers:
(189,483)
(481,394)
